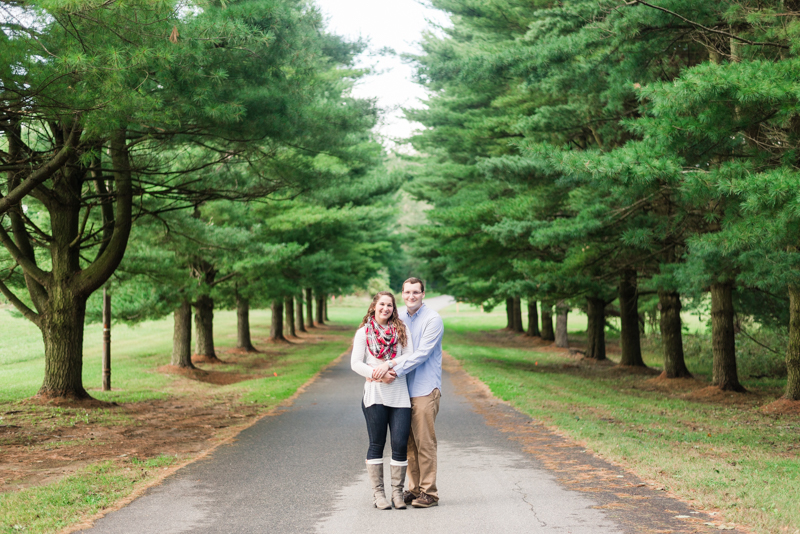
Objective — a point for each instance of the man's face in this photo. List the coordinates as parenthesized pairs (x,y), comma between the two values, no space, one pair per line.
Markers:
(412,296)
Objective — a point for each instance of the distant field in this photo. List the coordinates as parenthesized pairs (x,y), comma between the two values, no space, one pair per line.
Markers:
(136,350)
(149,344)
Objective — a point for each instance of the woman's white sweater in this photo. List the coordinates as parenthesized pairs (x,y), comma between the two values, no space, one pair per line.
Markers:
(362,362)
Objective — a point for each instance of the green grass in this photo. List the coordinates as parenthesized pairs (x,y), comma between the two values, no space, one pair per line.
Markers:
(159,461)
(730,457)
(137,352)
(56,506)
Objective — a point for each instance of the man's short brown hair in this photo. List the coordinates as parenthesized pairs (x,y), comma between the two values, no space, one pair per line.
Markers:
(414,280)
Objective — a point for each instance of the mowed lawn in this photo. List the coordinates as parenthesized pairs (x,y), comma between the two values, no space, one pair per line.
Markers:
(137,354)
(136,351)
(722,452)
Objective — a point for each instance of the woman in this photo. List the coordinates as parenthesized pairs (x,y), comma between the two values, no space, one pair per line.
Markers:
(382,337)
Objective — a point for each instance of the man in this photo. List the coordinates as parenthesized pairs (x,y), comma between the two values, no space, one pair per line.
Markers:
(423,371)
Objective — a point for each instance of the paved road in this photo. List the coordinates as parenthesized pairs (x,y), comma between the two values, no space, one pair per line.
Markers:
(302,470)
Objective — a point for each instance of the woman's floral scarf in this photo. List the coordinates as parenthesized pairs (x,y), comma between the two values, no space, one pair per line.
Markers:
(381,342)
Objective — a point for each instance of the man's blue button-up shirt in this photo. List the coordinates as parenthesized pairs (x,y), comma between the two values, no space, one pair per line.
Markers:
(423,369)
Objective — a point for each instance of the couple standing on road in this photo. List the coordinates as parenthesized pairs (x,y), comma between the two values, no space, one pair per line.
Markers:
(401,359)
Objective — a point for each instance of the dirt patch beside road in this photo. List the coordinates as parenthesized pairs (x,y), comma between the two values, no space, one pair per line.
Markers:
(639,505)
(48,449)
(42,442)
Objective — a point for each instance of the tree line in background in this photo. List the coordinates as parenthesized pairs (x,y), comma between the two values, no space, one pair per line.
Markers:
(186,156)
(631,158)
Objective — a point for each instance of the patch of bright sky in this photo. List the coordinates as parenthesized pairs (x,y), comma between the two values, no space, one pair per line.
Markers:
(395,24)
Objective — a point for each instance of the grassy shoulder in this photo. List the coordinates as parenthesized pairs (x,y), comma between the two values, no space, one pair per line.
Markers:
(62,464)
(722,452)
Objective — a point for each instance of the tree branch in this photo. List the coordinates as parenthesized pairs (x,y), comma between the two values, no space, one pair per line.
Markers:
(29,314)
(103,267)
(757,342)
(28,266)
(43,173)
(224,278)
(706,28)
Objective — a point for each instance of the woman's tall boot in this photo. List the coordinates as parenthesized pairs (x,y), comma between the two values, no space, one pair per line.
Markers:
(375,472)
(398,480)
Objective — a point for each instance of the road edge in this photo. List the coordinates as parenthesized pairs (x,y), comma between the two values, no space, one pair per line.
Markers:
(484,402)
(235,431)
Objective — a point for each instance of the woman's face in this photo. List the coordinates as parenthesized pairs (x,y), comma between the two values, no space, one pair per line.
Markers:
(383,309)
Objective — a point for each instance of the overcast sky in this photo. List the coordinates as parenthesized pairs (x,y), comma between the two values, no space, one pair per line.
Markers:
(396,24)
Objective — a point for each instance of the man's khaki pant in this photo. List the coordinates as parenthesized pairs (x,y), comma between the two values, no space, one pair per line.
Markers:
(422,445)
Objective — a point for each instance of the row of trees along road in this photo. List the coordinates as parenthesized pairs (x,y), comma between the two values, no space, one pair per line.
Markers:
(212,145)
(596,151)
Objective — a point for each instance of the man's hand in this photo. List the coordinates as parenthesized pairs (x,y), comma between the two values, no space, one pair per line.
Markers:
(380,371)
(388,378)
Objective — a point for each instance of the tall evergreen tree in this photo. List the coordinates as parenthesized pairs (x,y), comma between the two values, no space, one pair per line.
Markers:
(118,114)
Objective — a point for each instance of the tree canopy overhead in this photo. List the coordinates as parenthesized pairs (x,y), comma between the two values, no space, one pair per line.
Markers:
(112,114)
(597,151)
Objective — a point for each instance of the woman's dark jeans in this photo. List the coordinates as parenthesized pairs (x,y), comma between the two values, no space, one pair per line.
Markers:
(397,420)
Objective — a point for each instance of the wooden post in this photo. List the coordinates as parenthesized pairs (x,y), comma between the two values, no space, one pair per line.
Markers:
(106,341)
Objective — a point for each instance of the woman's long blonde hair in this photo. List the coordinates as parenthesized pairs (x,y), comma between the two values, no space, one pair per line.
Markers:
(394,320)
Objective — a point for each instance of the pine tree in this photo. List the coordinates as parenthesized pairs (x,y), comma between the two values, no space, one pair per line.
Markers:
(122,115)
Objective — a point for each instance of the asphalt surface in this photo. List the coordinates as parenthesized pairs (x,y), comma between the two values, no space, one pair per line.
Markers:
(302,470)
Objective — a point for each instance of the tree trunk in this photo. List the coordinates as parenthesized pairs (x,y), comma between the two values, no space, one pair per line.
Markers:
(62,330)
(325,307)
(723,342)
(276,327)
(793,350)
(548,334)
(182,336)
(309,308)
(562,340)
(59,296)
(629,320)
(204,328)
(671,335)
(288,303)
(299,307)
(518,315)
(243,340)
(509,314)
(533,319)
(596,329)
(320,308)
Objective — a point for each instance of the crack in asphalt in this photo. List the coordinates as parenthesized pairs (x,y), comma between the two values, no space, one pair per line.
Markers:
(525,500)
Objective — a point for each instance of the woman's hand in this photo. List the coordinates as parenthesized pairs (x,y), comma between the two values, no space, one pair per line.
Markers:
(381,370)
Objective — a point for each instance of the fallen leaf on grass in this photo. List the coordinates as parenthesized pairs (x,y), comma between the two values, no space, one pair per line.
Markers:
(721,527)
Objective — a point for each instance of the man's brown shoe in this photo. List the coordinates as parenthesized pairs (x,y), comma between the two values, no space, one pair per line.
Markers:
(408,497)
(424,501)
